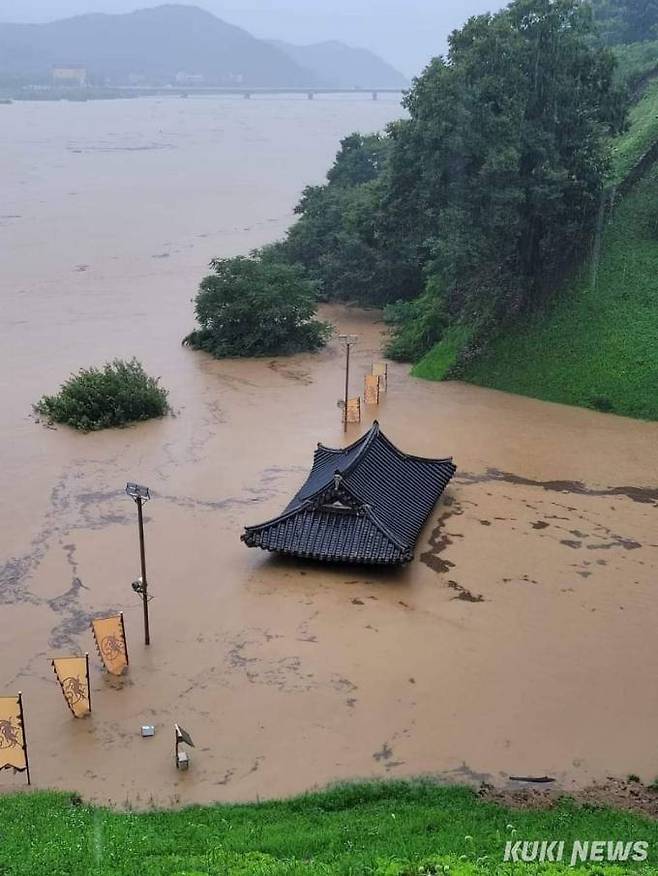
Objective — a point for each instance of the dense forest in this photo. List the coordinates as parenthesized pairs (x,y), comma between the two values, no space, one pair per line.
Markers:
(476,209)
(626,21)
(476,205)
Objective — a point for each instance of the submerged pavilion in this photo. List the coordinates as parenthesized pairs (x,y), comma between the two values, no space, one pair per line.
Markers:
(366,503)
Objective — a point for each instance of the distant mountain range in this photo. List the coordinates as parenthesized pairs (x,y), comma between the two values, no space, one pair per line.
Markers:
(339,65)
(180,44)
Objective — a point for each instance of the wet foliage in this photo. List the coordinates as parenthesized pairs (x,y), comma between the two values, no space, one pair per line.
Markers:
(626,21)
(255,307)
(98,398)
(477,206)
(596,345)
(637,63)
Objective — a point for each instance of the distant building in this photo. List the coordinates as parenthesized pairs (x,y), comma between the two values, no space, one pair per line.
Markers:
(183,78)
(70,75)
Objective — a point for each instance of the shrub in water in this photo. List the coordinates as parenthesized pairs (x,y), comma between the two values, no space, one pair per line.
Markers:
(99,398)
(254,307)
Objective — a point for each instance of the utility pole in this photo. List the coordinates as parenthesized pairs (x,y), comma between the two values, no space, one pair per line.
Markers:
(140,495)
(348,340)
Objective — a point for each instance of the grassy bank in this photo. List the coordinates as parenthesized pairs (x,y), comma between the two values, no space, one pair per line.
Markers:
(388,829)
(595,343)
(642,133)
(595,346)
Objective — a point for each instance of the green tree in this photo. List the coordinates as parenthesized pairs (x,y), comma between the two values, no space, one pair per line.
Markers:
(359,160)
(499,171)
(256,307)
(336,237)
(478,203)
(626,21)
(99,398)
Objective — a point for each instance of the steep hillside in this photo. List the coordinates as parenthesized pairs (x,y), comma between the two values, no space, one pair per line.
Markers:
(337,64)
(636,150)
(152,45)
(596,344)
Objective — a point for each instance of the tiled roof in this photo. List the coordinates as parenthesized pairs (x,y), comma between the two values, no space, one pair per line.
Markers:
(365,503)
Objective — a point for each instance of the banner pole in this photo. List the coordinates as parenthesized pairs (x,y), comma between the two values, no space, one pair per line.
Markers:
(347,382)
(88,681)
(20,711)
(125,641)
(142,558)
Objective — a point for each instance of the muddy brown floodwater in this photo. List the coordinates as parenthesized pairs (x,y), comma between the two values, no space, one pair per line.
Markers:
(521,641)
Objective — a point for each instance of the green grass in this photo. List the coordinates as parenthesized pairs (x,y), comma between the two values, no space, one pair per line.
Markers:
(384,829)
(437,363)
(596,346)
(642,133)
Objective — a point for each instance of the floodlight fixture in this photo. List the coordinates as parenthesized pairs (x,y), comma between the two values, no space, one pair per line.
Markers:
(138,492)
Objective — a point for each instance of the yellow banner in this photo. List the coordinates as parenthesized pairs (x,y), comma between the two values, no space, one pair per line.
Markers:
(354,410)
(73,676)
(111,643)
(371,391)
(380,370)
(12,736)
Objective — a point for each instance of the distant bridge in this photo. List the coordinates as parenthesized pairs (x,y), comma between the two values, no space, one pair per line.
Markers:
(248,92)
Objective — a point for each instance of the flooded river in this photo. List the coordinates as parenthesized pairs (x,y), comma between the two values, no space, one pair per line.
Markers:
(521,641)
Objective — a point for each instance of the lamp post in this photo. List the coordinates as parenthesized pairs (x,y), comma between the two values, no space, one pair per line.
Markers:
(141,494)
(348,340)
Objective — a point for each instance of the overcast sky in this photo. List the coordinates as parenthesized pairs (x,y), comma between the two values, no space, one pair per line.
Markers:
(405,32)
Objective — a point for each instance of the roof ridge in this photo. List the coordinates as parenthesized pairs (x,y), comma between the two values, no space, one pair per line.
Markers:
(370,436)
(289,512)
(370,514)
(363,439)
(404,455)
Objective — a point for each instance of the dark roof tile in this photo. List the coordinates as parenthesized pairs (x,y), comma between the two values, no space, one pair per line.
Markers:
(371,513)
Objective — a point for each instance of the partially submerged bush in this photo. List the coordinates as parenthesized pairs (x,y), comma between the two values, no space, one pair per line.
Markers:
(99,398)
(255,307)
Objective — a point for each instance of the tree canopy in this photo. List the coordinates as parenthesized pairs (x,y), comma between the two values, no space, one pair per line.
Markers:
(477,204)
(256,307)
(626,21)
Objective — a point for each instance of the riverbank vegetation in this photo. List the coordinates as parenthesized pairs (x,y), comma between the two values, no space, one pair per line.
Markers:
(379,828)
(487,208)
(255,307)
(595,345)
(99,398)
